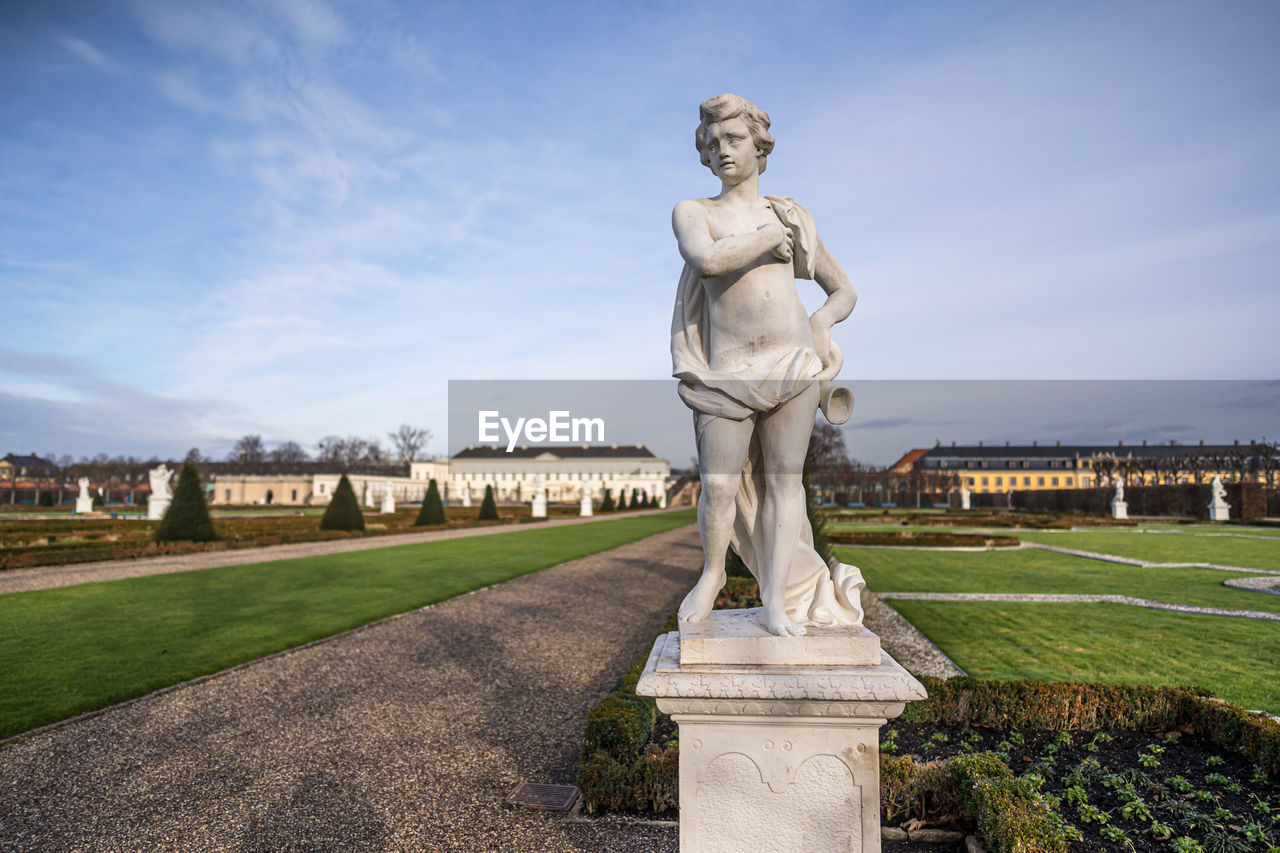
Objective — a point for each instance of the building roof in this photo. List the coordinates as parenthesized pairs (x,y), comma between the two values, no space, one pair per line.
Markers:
(559,451)
(32,461)
(1070,451)
(908,460)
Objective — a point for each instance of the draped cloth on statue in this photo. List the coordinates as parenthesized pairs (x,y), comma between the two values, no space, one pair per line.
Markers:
(817,594)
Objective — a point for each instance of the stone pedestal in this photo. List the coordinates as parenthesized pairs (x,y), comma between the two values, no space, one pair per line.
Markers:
(1219,510)
(84,505)
(1119,509)
(539,505)
(157,507)
(779,755)
(584,507)
(388,504)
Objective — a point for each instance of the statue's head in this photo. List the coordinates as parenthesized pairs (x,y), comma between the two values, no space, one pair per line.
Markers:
(728,106)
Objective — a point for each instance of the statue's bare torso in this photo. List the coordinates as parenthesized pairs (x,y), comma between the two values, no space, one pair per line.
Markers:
(756,310)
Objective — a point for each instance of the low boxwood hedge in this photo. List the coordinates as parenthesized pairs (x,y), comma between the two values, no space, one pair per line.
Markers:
(619,770)
(928,539)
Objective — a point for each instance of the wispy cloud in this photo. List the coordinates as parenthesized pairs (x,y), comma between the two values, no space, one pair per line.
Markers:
(87,52)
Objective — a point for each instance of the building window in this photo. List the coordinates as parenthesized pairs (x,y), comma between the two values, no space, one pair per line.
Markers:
(999,481)
(322,488)
(970,479)
(1026,481)
(985,482)
(1039,481)
(228,496)
(294,492)
(1084,481)
(1054,481)
(1070,481)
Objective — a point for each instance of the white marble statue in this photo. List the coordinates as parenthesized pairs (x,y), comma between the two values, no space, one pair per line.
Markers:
(1119,506)
(965,497)
(160,477)
(750,360)
(584,505)
(84,500)
(539,504)
(388,499)
(1219,509)
(464,494)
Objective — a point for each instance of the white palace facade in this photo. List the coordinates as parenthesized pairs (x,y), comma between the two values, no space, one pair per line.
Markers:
(565,470)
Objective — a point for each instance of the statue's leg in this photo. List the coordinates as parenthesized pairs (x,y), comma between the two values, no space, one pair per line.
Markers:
(784,441)
(722,452)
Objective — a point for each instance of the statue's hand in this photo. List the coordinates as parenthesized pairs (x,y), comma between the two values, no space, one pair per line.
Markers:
(784,247)
(821,339)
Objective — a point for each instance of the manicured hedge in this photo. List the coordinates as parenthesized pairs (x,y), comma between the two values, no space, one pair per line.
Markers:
(922,540)
(618,771)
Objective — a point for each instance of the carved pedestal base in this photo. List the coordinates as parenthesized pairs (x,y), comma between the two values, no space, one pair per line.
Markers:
(539,509)
(1119,509)
(781,758)
(157,507)
(584,507)
(1219,511)
(84,505)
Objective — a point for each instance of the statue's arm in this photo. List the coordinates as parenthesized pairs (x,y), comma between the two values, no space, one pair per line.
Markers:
(713,258)
(841,297)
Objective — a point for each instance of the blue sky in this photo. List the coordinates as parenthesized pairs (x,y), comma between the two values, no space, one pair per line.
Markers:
(300,219)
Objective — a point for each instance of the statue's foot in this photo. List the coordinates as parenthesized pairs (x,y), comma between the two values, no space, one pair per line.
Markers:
(776,621)
(697,605)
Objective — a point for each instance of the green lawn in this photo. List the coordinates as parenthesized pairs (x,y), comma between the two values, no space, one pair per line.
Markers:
(1036,571)
(68,650)
(1237,659)
(1167,547)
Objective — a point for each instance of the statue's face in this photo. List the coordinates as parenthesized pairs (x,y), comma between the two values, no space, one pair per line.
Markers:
(731,151)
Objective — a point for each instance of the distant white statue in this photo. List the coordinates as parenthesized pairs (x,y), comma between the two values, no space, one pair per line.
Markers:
(84,500)
(1219,509)
(160,477)
(1119,507)
(584,506)
(465,494)
(964,497)
(539,509)
(158,502)
(388,499)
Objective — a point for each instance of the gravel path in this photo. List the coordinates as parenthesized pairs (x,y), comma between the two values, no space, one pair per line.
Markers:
(904,642)
(23,580)
(1148,603)
(1130,561)
(403,735)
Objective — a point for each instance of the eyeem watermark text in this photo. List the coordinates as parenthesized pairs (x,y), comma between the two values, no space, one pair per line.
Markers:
(559,426)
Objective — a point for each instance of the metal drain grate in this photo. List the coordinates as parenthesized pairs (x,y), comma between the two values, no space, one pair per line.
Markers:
(535,795)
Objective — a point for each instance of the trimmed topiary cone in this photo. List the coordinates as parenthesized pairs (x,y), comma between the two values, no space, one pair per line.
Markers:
(606,505)
(432,511)
(187,518)
(344,510)
(488,507)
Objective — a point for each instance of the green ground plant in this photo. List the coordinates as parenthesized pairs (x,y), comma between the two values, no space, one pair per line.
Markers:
(432,511)
(73,649)
(187,518)
(1169,547)
(488,506)
(343,512)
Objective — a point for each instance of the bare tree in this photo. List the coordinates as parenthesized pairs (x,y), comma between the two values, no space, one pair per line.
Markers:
(1104,468)
(1268,461)
(409,441)
(248,449)
(1238,461)
(1169,467)
(288,451)
(193,456)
